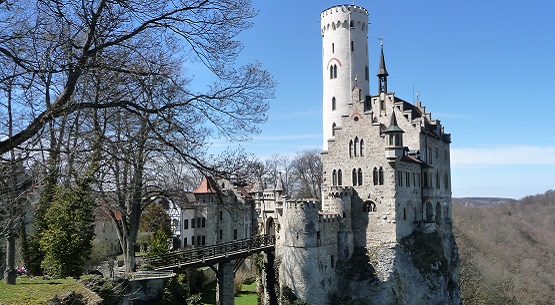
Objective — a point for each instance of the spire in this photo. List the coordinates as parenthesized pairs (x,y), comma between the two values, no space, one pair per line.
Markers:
(279,184)
(393,127)
(382,72)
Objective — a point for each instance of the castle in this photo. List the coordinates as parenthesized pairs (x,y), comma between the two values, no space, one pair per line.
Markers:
(382,233)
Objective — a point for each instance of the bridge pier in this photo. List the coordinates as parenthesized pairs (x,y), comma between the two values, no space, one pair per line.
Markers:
(225,294)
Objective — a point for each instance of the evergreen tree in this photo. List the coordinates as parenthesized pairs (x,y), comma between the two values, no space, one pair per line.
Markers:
(67,240)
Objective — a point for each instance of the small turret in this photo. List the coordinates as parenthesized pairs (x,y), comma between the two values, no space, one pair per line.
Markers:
(382,74)
(393,139)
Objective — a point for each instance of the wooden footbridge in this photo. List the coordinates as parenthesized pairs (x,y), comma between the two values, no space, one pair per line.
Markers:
(223,255)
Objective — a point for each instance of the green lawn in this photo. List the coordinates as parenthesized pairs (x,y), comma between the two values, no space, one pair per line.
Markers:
(36,291)
(247,296)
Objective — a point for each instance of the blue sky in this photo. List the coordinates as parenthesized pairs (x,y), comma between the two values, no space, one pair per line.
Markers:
(486,69)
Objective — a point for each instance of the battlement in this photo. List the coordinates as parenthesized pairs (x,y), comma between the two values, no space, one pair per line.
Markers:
(328,217)
(344,8)
(340,191)
(301,204)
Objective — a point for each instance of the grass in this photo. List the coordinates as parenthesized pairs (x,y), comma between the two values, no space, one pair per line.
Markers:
(37,291)
(247,296)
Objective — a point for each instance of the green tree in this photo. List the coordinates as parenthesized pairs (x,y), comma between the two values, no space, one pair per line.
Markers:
(155,218)
(159,244)
(67,240)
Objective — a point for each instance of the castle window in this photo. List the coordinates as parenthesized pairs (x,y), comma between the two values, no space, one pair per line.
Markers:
(203,222)
(366,73)
(193,240)
(334,177)
(221,215)
(234,233)
(352,46)
(351,149)
(446,181)
(352,24)
(407,175)
(429,212)
(221,234)
(203,240)
(400,178)
(425,179)
(438,212)
(359,176)
(361,147)
(356,146)
(375,176)
(332,47)
(333,103)
(186,223)
(333,129)
(397,140)
(198,222)
(404,213)
(414,179)
(381,175)
(185,242)
(331,72)
(354,177)
(437,179)
(369,206)
(192,222)
(339,177)
(390,140)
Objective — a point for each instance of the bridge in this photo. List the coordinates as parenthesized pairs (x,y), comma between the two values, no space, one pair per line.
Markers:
(221,254)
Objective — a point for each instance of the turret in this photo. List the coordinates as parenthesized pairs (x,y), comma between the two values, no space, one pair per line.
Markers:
(344,31)
(393,139)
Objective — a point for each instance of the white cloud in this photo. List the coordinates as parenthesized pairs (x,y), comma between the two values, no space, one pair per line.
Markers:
(503,155)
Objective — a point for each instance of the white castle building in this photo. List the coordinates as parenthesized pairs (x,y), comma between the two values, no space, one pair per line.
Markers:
(382,233)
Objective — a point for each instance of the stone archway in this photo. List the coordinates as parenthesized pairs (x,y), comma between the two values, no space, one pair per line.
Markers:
(270,226)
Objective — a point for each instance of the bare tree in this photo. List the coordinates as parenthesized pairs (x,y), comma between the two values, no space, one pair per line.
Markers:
(307,168)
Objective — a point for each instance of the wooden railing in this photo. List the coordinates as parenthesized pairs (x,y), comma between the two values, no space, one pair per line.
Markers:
(208,255)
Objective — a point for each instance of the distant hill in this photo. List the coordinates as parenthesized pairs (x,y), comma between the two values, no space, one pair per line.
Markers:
(507,251)
(481,201)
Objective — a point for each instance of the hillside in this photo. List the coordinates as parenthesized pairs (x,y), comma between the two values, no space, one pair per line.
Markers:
(481,201)
(507,251)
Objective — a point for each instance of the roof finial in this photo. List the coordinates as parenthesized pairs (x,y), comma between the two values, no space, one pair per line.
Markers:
(381,39)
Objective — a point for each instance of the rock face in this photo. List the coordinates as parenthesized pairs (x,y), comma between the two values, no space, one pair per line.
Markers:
(382,233)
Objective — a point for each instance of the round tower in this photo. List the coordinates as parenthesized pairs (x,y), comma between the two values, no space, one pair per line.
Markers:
(344,62)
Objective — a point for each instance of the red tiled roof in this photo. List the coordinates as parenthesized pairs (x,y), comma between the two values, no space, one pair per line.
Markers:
(207,186)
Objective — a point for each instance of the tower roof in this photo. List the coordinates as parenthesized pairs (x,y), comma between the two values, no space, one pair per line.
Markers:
(382,70)
(279,183)
(393,127)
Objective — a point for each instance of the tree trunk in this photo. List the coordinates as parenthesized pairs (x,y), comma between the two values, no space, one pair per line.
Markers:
(10,274)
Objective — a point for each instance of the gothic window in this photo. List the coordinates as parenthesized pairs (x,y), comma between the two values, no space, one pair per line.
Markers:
(333,130)
(356,146)
(332,47)
(425,179)
(361,147)
(381,175)
(203,222)
(351,149)
(366,73)
(359,174)
(334,71)
(352,46)
(354,177)
(334,177)
(331,72)
(339,177)
(446,181)
(437,179)
(352,24)
(407,175)
(438,212)
(429,212)
(369,206)
(430,154)
(375,176)
(400,178)
(333,103)
(414,179)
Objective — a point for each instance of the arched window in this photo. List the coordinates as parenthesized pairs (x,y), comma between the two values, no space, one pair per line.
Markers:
(352,24)
(425,179)
(334,177)
(375,176)
(331,72)
(339,177)
(354,177)
(359,176)
(334,71)
(351,149)
(332,47)
(438,212)
(381,175)
(352,46)
(429,212)
(356,146)
(366,73)
(369,206)
(437,179)
(333,130)
(333,103)
(361,147)
(446,181)
(404,213)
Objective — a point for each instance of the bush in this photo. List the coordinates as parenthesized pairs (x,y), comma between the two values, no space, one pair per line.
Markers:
(111,290)
(69,299)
